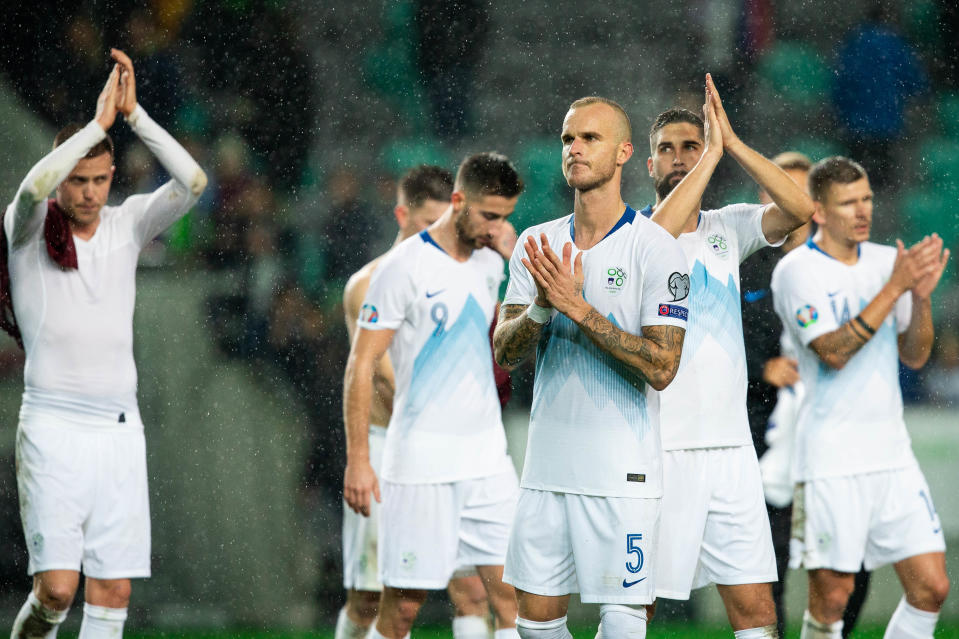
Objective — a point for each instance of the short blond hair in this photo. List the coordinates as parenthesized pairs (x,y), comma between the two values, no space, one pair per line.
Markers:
(616,106)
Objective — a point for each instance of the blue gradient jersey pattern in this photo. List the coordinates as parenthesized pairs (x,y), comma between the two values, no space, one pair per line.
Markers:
(593,428)
(446,424)
(850,421)
(705,406)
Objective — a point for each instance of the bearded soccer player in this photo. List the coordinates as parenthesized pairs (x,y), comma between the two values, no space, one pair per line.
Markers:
(714,524)
(856,310)
(422,196)
(600,295)
(449,488)
(81,460)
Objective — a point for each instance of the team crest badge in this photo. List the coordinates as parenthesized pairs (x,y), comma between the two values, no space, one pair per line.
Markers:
(717,242)
(615,280)
(806,316)
(369,314)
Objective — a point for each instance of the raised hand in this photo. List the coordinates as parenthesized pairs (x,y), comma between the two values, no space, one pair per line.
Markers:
(127,94)
(107,101)
(558,280)
(726,129)
(712,128)
(932,260)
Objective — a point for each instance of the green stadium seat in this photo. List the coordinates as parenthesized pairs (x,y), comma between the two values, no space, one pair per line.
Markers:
(948,110)
(796,72)
(401,154)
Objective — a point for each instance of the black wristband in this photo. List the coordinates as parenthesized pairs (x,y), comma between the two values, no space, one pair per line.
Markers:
(866,327)
(858,332)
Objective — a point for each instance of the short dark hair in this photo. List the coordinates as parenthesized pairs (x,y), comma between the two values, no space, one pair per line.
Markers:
(425,182)
(103,146)
(792,161)
(833,170)
(673,116)
(488,173)
(616,106)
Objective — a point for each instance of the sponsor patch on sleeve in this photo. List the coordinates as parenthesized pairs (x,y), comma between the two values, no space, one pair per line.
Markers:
(674,310)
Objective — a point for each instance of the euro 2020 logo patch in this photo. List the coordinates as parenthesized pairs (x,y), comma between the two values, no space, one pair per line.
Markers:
(718,243)
(615,280)
(806,316)
(678,285)
(369,314)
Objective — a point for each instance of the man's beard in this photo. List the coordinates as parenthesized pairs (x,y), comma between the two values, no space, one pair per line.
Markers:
(462,232)
(594,183)
(664,186)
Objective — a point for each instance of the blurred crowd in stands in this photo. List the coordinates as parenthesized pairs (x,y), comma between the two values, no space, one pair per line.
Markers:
(286,219)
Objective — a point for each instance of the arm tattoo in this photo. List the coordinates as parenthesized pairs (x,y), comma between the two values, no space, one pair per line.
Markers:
(838,347)
(655,355)
(515,337)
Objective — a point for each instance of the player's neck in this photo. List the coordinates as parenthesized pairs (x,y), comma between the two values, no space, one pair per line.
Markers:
(84,231)
(843,250)
(595,213)
(443,232)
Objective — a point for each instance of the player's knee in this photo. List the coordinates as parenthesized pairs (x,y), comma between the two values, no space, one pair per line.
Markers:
(56,595)
(930,594)
(362,605)
(623,621)
(108,593)
(833,602)
(406,611)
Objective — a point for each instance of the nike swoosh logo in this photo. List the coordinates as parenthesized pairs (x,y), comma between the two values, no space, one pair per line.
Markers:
(429,295)
(833,294)
(627,584)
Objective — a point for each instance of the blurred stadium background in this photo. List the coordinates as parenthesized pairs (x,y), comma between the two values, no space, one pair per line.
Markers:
(303,114)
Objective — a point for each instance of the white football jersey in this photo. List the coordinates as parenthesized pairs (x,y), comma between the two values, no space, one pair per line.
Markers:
(850,420)
(705,406)
(446,424)
(594,424)
(77,324)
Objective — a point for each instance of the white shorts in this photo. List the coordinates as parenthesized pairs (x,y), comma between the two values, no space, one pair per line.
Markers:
(714,527)
(872,519)
(601,547)
(360,533)
(84,500)
(431,531)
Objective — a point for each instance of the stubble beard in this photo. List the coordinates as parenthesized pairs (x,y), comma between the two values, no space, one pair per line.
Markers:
(664,185)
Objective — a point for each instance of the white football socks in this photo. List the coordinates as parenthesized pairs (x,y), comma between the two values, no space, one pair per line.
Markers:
(812,629)
(766,632)
(36,621)
(617,621)
(102,623)
(346,628)
(909,622)
(554,629)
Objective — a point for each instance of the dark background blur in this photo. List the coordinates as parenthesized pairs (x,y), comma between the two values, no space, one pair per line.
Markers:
(304,114)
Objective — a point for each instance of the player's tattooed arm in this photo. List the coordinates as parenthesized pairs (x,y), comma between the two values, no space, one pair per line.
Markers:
(515,337)
(655,354)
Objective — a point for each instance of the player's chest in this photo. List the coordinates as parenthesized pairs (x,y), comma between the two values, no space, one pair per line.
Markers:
(613,282)
(848,291)
(712,257)
(447,295)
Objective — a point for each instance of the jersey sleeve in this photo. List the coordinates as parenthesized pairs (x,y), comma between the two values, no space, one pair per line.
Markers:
(801,302)
(521,288)
(747,220)
(665,297)
(153,213)
(389,297)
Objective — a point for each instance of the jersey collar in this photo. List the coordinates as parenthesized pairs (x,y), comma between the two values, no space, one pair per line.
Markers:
(648,212)
(815,247)
(627,218)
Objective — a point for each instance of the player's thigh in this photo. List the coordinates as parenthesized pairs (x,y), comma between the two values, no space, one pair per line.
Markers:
(614,542)
(905,522)
(117,532)
(831,524)
(56,486)
(539,559)
(418,535)
(360,534)
(489,507)
(687,487)
(737,542)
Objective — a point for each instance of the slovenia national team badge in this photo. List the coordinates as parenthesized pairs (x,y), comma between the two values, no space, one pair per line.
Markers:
(615,280)
(369,314)
(806,316)
(717,242)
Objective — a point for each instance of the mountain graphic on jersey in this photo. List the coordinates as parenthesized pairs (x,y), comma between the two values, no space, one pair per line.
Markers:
(566,355)
(451,358)
(714,310)
(879,356)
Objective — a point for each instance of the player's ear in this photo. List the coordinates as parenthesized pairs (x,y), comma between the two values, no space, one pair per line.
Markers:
(649,166)
(458,199)
(819,214)
(402,213)
(625,152)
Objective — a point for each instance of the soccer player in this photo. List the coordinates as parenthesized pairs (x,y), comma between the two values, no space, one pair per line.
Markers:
(449,488)
(422,196)
(81,463)
(856,310)
(607,310)
(714,526)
